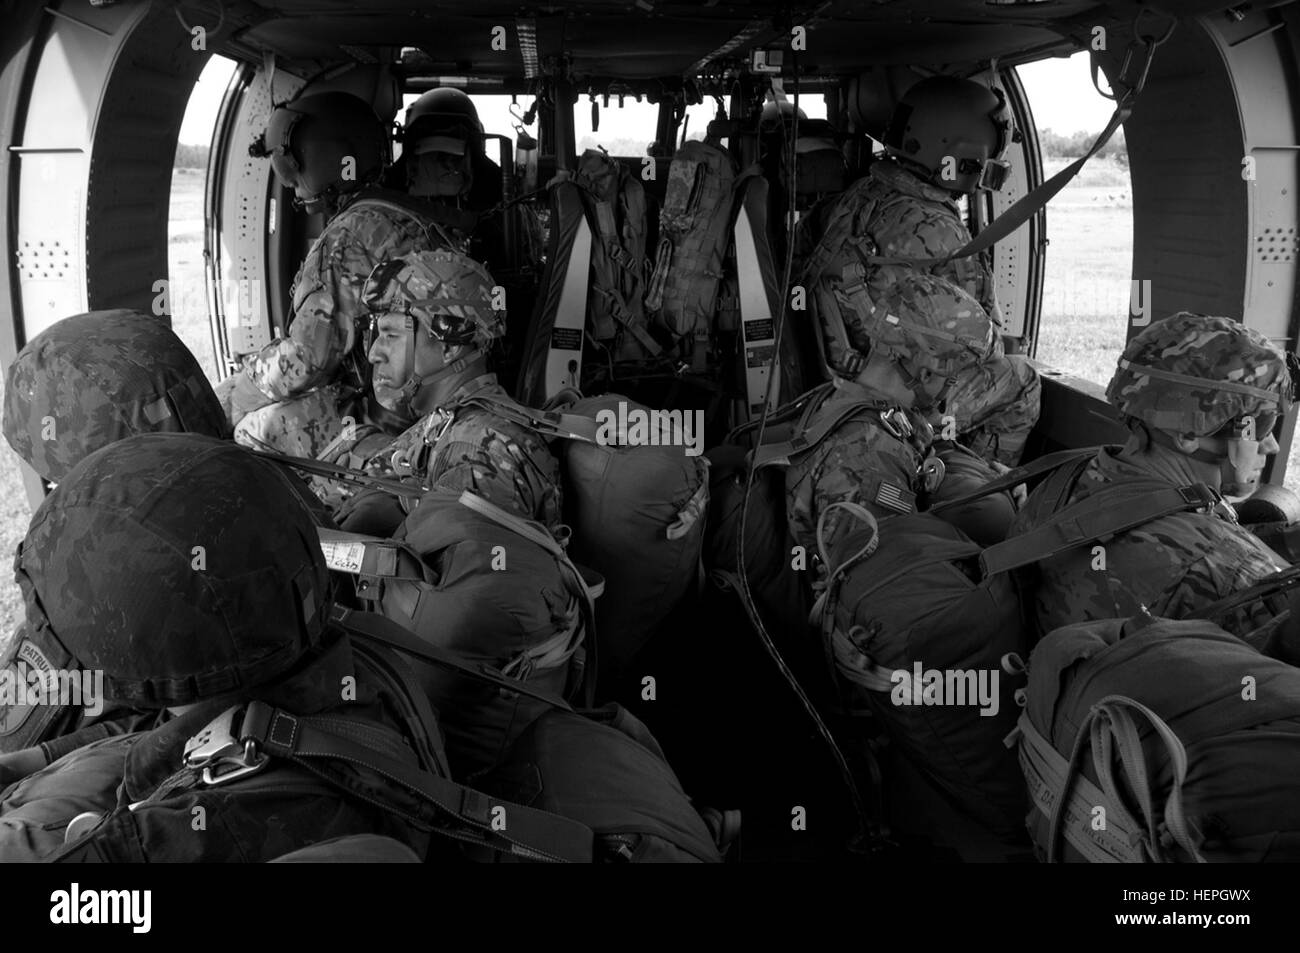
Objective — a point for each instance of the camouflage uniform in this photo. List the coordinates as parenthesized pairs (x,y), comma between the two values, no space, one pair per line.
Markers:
(468,448)
(324,329)
(927,324)
(891,213)
(1177,564)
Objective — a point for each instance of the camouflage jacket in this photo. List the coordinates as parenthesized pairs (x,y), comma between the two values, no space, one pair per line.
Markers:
(467,448)
(893,214)
(327,317)
(1174,565)
(859,462)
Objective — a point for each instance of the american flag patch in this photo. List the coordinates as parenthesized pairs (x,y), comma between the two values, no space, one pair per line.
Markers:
(893,497)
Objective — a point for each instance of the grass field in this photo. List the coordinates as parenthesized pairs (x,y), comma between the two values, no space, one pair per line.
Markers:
(1085,304)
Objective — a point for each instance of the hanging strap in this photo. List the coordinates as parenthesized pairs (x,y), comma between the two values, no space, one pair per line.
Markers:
(1092,519)
(316,742)
(1021,474)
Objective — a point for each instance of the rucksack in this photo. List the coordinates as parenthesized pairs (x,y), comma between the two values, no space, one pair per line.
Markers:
(493,588)
(916,637)
(278,781)
(694,234)
(1183,741)
(615,206)
(636,509)
(604,769)
(986,519)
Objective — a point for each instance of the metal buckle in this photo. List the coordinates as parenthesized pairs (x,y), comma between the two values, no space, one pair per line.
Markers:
(220,755)
(896,422)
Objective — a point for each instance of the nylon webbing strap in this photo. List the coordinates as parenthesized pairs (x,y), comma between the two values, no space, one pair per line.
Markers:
(527,832)
(1092,519)
(568,426)
(346,474)
(1046,772)
(779,454)
(1270,585)
(1018,475)
(386,631)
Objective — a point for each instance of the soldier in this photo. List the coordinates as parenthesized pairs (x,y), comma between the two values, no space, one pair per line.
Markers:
(944,140)
(924,331)
(202,611)
(1201,395)
(432,321)
(330,148)
(443,161)
(81,384)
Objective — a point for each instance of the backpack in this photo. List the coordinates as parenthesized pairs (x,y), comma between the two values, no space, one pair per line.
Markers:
(1186,737)
(916,637)
(694,235)
(623,499)
(269,781)
(615,206)
(489,586)
(604,769)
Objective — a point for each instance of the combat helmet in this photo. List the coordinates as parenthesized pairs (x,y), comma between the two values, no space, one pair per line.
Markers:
(1198,375)
(953,132)
(442,120)
(95,378)
(446,293)
(324,146)
(925,323)
(182,567)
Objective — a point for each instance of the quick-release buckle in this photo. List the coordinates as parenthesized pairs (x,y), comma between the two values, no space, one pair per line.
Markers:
(220,754)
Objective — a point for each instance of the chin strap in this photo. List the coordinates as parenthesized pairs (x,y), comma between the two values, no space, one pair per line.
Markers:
(414,384)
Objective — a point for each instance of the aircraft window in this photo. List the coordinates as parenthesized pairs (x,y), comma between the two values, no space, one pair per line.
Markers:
(186,292)
(623,131)
(1086,286)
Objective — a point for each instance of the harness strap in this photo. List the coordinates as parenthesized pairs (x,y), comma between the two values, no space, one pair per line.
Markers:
(310,741)
(1092,519)
(1018,475)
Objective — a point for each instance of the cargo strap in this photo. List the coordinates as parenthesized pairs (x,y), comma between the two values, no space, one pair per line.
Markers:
(312,740)
(758,329)
(334,471)
(384,630)
(1059,790)
(1018,475)
(1093,519)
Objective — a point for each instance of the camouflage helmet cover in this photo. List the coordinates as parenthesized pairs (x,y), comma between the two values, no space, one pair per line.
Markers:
(95,378)
(448,293)
(928,322)
(1195,373)
(181,566)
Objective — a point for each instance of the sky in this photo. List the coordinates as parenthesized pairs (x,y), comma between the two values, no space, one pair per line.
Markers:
(1060,94)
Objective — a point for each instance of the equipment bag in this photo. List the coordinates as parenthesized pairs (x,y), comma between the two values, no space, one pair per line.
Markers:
(604,769)
(987,518)
(635,500)
(376,766)
(916,636)
(491,587)
(694,232)
(1186,738)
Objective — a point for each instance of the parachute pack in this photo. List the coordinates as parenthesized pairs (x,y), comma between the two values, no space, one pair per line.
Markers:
(495,589)
(1183,737)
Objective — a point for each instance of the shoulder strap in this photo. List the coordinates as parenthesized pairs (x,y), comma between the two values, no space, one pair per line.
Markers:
(310,740)
(1097,516)
(779,454)
(406,206)
(1270,585)
(1018,475)
(550,423)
